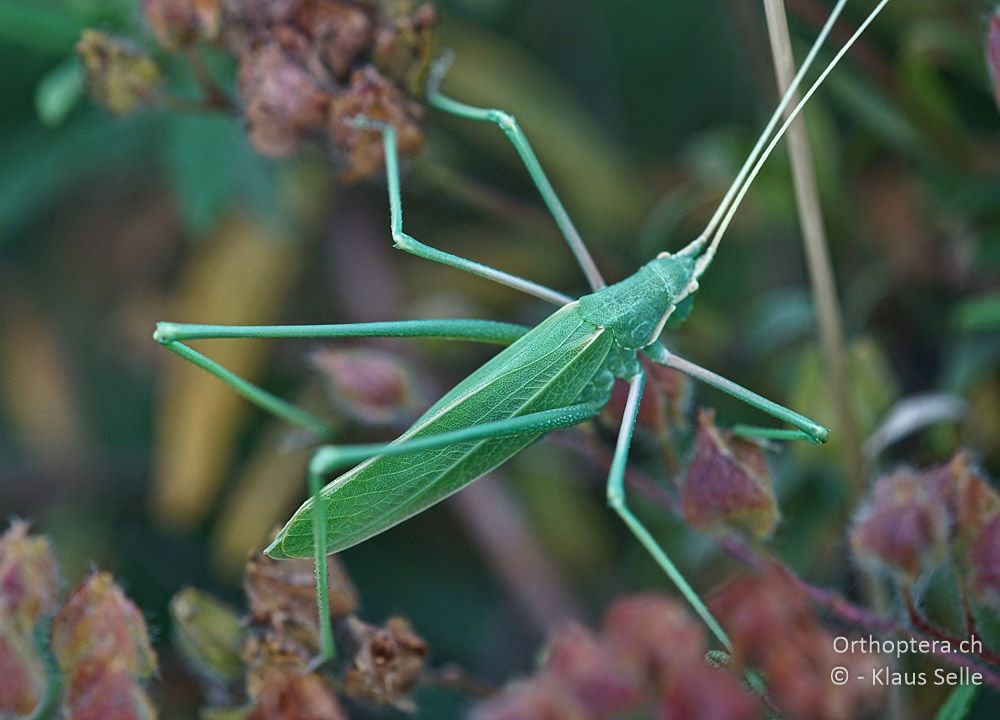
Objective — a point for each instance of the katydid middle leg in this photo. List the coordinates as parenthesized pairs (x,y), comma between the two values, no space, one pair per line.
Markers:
(330,458)
(510,127)
(617,501)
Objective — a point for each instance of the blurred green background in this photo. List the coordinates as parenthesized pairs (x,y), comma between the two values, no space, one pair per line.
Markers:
(642,113)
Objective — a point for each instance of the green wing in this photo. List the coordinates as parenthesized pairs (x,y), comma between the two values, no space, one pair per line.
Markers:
(548,368)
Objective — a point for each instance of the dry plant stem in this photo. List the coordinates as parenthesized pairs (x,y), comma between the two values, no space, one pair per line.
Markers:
(213,96)
(821,277)
(457,679)
(817,257)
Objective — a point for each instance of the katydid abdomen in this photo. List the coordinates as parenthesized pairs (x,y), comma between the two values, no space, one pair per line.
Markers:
(561,362)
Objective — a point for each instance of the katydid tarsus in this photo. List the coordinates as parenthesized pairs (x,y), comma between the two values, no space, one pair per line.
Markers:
(555,375)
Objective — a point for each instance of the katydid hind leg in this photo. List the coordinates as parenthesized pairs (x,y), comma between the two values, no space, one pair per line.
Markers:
(330,458)
(411,245)
(174,336)
(618,502)
(512,129)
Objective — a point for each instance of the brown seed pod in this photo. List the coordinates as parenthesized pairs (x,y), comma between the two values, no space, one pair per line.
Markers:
(360,151)
(181,23)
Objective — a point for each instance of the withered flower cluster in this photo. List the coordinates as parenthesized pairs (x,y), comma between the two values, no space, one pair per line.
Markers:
(915,521)
(99,640)
(307,68)
(260,666)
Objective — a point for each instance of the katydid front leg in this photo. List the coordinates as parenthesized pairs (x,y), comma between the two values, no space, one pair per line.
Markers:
(510,127)
(806,429)
(408,243)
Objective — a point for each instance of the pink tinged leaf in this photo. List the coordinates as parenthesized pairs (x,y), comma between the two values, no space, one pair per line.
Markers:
(655,635)
(984,564)
(581,662)
(704,693)
(104,689)
(29,578)
(22,674)
(99,624)
(993,53)
(968,497)
(903,528)
(728,486)
(292,696)
(541,698)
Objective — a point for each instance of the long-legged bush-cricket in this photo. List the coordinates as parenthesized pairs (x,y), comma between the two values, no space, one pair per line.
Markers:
(554,375)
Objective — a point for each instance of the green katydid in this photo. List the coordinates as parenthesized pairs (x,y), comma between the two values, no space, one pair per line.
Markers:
(555,375)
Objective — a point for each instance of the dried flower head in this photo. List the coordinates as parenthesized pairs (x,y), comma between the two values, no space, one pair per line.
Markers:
(180,23)
(902,528)
(371,95)
(121,77)
(293,696)
(309,67)
(387,663)
(282,102)
(728,485)
(282,598)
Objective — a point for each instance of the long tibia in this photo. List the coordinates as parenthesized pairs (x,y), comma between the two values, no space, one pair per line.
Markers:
(769,138)
(409,244)
(510,127)
(619,503)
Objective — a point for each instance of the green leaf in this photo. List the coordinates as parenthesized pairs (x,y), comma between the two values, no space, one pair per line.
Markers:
(58,91)
(959,703)
(38,26)
(979,314)
(210,165)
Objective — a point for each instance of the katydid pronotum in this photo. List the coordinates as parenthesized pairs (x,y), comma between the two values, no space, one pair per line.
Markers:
(555,375)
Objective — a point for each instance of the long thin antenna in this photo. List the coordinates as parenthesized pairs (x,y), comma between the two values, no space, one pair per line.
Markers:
(768,129)
(705,259)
